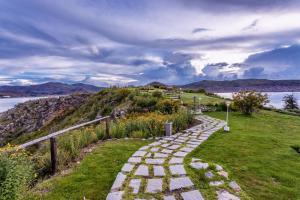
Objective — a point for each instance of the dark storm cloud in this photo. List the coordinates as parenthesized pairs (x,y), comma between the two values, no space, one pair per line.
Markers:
(241,5)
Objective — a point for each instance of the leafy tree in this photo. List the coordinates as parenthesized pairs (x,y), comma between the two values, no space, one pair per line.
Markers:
(290,102)
(249,101)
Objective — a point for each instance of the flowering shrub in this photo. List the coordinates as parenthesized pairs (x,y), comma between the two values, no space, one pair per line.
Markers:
(16,173)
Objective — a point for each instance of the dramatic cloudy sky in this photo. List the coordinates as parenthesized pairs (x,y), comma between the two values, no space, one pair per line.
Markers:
(106,42)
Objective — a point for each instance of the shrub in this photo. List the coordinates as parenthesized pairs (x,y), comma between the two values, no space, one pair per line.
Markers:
(249,101)
(144,103)
(157,94)
(167,106)
(16,174)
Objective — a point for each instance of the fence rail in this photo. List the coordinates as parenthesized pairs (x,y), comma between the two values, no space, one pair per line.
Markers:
(52,138)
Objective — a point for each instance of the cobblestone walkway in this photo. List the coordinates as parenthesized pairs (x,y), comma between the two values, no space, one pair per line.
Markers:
(156,171)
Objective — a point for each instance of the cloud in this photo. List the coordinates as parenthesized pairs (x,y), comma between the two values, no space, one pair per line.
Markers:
(198,30)
(173,41)
(251,26)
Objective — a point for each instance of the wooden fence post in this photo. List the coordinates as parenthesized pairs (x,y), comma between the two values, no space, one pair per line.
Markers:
(107,127)
(53,149)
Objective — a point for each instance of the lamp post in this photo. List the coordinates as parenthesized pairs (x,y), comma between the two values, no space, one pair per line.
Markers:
(226,127)
(200,111)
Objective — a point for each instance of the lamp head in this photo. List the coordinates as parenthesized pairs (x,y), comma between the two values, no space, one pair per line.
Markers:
(227,103)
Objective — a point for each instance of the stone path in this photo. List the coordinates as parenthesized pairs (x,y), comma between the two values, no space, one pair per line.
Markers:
(156,171)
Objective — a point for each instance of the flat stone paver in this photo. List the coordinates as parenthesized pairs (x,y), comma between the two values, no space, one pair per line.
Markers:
(187,149)
(167,151)
(127,167)
(135,184)
(142,170)
(192,195)
(155,161)
(154,185)
(177,170)
(160,155)
(179,183)
(165,145)
(180,154)
(115,196)
(173,147)
(159,171)
(139,153)
(176,160)
(119,181)
(170,197)
(154,149)
(135,160)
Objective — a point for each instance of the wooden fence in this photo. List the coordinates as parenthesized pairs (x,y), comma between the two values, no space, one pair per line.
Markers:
(52,138)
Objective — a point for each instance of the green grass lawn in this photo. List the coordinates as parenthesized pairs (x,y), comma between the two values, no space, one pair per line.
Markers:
(257,154)
(188,98)
(93,177)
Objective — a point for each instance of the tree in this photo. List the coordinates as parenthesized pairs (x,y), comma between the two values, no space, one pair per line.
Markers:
(290,102)
(249,101)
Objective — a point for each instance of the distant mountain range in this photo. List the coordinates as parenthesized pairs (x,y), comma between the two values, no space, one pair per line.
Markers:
(50,88)
(261,85)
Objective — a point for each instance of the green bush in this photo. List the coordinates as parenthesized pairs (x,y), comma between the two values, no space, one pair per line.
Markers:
(16,174)
(157,94)
(249,101)
(167,106)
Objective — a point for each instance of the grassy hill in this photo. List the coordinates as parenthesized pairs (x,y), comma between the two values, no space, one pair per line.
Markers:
(257,153)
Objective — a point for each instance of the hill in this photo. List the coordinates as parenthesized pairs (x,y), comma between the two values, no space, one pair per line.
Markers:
(50,88)
(262,85)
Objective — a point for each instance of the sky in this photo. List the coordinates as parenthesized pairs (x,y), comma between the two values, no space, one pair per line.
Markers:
(134,42)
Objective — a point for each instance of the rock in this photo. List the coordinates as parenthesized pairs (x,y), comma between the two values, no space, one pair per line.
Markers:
(199,165)
(196,159)
(225,195)
(235,186)
(209,175)
(216,183)
(219,168)
(223,173)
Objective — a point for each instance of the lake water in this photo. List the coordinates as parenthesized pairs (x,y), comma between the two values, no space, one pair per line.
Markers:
(274,97)
(7,103)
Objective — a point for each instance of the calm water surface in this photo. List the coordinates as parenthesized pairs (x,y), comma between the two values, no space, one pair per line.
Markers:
(7,103)
(274,97)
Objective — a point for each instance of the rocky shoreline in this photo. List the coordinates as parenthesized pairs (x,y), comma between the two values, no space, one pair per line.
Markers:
(32,115)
